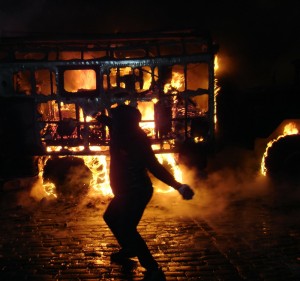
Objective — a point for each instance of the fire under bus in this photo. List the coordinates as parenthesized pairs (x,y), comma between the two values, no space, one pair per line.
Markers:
(52,89)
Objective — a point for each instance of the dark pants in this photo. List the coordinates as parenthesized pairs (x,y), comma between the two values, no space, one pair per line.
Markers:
(122,216)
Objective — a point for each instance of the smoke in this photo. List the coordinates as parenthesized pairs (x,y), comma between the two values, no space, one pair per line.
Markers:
(17,193)
(233,176)
(37,191)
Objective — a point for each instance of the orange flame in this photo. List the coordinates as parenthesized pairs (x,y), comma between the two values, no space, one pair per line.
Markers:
(100,179)
(289,129)
(85,79)
(170,159)
(216,91)
(100,184)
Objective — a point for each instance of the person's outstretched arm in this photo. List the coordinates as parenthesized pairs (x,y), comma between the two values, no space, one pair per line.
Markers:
(161,173)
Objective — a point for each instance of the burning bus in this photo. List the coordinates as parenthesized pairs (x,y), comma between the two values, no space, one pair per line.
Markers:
(52,89)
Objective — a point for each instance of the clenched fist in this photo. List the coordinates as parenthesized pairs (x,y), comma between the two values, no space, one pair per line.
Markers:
(186,192)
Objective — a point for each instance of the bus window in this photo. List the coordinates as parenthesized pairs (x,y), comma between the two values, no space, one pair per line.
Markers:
(145,78)
(65,55)
(29,55)
(174,79)
(22,82)
(197,76)
(45,82)
(94,55)
(78,80)
(131,79)
(122,78)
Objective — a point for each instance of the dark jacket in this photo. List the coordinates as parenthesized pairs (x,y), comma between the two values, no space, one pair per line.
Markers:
(131,157)
(131,154)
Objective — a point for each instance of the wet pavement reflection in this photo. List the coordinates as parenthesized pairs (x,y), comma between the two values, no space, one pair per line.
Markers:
(249,239)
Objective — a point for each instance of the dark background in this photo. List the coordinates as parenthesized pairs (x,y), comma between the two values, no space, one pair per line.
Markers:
(258,39)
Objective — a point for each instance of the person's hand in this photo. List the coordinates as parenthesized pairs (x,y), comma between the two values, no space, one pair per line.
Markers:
(186,192)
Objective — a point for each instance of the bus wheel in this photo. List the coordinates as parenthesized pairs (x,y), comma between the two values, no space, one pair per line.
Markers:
(70,175)
(283,159)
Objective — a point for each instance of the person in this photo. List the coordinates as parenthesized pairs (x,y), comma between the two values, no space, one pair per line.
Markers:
(131,157)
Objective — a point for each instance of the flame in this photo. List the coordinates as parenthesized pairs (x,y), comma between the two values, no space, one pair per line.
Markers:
(49,189)
(289,129)
(216,91)
(84,79)
(147,111)
(175,169)
(100,183)
(100,180)
(76,80)
(216,62)
(176,83)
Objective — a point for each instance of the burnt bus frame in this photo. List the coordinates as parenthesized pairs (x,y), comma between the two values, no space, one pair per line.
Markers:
(9,65)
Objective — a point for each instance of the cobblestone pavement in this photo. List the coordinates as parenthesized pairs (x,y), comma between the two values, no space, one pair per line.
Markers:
(54,240)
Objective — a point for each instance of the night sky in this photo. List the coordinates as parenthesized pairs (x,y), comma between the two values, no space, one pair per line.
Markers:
(258,39)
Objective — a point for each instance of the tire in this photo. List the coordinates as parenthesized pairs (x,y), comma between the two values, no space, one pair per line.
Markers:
(283,159)
(70,175)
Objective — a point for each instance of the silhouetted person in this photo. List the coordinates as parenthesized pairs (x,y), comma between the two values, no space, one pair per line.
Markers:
(131,156)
